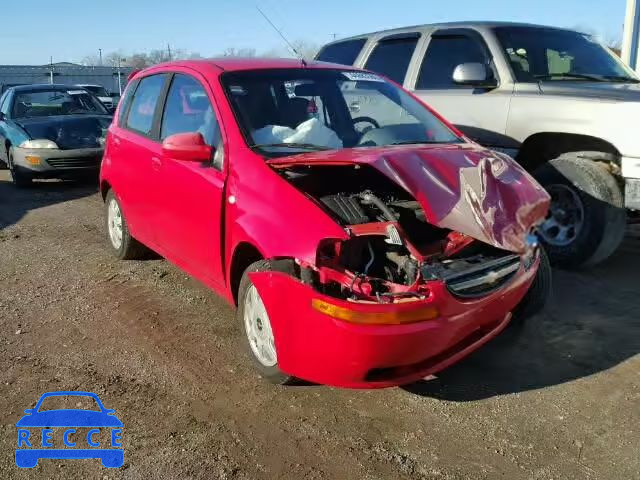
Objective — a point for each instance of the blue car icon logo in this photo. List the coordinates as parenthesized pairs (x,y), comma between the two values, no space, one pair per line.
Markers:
(99,430)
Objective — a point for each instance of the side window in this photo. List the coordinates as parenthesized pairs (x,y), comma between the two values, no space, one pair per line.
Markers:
(4,103)
(344,53)
(144,103)
(444,54)
(188,109)
(391,57)
(125,101)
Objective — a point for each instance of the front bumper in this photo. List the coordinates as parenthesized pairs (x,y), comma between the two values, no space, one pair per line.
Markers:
(318,348)
(44,161)
(631,173)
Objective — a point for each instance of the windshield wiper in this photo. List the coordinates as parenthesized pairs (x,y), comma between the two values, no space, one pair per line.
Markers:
(417,142)
(577,76)
(305,146)
(620,78)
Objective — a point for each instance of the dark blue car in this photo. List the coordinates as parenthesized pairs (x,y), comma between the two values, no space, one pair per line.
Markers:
(68,418)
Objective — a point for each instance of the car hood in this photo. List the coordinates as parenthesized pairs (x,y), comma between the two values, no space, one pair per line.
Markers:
(69,418)
(68,131)
(480,193)
(608,90)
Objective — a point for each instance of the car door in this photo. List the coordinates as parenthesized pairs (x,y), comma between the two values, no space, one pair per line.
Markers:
(137,151)
(190,211)
(481,113)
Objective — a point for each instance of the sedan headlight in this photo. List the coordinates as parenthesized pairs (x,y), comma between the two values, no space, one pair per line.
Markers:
(42,143)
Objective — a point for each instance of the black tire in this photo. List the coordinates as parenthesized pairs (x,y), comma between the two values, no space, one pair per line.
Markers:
(271,373)
(537,296)
(602,202)
(19,177)
(130,248)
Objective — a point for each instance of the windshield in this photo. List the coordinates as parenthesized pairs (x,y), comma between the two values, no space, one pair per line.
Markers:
(551,54)
(287,111)
(46,103)
(97,90)
(68,402)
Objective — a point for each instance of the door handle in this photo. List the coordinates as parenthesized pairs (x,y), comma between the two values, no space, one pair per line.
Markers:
(156,163)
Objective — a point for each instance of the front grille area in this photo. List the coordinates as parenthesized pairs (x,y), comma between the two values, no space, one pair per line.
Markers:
(484,278)
(82,162)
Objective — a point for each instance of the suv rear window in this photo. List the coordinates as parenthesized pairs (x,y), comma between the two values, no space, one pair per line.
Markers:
(344,53)
(392,57)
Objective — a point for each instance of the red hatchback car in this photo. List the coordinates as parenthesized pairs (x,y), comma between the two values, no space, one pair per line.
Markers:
(365,241)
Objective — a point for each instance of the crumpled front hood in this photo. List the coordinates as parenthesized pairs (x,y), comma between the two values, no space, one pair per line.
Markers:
(68,131)
(480,193)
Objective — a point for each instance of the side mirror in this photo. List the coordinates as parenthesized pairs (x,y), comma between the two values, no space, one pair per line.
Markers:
(28,410)
(109,411)
(474,74)
(188,147)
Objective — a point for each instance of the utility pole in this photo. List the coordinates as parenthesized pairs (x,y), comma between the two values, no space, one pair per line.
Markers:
(169,51)
(120,75)
(100,54)
(51,70)
(631,38)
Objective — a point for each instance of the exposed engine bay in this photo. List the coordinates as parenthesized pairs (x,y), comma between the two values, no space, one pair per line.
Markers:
(393,251)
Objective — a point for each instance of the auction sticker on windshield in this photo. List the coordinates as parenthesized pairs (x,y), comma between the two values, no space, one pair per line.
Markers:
(69,425)
(363,76)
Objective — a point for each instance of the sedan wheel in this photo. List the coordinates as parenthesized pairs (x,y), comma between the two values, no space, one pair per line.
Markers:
(114,224)
(258,329)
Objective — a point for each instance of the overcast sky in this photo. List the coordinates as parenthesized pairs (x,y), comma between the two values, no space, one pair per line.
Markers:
(33,30)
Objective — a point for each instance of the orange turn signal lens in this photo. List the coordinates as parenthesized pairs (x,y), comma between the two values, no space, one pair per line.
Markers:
(391,317)
(33,160)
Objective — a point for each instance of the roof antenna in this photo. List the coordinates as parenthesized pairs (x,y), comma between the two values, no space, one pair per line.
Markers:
(302,60)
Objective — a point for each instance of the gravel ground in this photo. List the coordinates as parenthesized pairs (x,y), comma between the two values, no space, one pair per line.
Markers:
(561,401)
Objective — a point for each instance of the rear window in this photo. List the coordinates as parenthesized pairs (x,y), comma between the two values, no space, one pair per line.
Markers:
(344,53)
(143,106)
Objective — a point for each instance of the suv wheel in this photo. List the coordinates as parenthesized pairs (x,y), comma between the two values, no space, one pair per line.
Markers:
(587,220)
(123,245)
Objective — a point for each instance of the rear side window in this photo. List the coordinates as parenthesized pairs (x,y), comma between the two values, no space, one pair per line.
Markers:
(144,104)
(344,53)
(125,101)
(444,54)
(392,57)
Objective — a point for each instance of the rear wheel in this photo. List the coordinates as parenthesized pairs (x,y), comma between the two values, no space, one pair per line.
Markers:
(587,220)
(256,326)
(19,177)
(123,245)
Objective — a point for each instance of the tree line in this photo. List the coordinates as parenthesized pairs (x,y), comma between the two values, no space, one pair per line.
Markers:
(145,59)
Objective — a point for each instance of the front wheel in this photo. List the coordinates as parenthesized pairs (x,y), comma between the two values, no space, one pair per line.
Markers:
(19,177)
(256,326)
(538,294)
(587,219)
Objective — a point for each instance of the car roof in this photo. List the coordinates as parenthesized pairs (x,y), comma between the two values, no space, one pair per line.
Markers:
(40,87)
(234,64)
(464,24)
